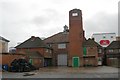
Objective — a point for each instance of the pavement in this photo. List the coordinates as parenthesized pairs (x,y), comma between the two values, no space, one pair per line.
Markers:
(67,72)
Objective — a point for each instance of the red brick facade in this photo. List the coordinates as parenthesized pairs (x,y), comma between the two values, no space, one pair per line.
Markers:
(75,35)
(42,51)
(54,41)
(8,58)
(74,40)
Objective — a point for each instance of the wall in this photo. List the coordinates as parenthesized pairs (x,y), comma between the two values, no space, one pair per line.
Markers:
(42,51)
(91,61)
(3,46)
(114,62)
(92,51)
(76,35)
(37,62)
(91,57)
(56,51)
(7,58)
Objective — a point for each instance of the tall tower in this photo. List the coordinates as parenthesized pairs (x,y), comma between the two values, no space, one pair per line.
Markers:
(76,36)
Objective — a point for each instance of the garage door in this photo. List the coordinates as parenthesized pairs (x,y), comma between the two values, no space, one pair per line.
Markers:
(62,60)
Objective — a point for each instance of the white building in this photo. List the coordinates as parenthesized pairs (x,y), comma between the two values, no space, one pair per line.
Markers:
(104,39)
(3,45)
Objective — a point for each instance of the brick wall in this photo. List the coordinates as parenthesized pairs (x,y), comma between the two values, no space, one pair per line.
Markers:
(76,35)
(42,51)
(7,59)
(114,62)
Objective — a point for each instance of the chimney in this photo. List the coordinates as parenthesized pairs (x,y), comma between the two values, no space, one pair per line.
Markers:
(93,39)
(65,28)
(32,38)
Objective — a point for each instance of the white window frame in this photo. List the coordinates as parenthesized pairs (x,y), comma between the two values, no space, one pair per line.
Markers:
(99,50)
(110,50)
(74,14)
(61,46)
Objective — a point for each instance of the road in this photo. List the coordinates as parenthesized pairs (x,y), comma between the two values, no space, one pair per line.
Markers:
(67,72)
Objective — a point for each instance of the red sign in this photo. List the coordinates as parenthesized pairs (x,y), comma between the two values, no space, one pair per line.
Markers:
(104,42)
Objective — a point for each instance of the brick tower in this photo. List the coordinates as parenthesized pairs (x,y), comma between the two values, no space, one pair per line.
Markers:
(76,36)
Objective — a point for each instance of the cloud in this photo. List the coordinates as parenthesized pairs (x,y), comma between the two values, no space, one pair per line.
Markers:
(20,19)
(100,23)
(45,17)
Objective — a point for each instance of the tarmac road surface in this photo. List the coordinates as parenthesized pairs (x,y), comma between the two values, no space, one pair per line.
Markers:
(67,72)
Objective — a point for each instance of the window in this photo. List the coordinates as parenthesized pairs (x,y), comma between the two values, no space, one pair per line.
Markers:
(111,36)
(61,46)
(111,50)
(104,36)
(74,14)
(119,50)
(99,59)
(50,51)
(49,45)
(47,50)
(99,50)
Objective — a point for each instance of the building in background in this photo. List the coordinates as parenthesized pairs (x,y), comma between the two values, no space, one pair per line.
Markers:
(118,38)
(113,54)
(12,50)
(34,46)
(92,53)
(104,39)
(3,45)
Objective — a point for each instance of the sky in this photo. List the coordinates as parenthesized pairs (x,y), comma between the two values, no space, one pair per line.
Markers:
(21,19)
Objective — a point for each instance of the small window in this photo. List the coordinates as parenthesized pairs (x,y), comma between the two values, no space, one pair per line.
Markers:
(99,50)
(111,36)
(111,50)
(50,51)
(47,50)
(49,45)
(74,14)
(99,59)
(104,36)
(61,46)
(119,50)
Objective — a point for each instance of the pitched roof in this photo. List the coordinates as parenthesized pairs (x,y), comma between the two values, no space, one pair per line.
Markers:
(91,42)
(61,37)
(33,54)
(114,44)
(33,42)
(1,38)
(58,38)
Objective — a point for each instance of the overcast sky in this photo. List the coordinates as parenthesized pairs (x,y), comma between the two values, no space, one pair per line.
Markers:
(21,19)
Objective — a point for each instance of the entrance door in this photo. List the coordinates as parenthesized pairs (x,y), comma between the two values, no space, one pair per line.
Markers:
(76,62)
